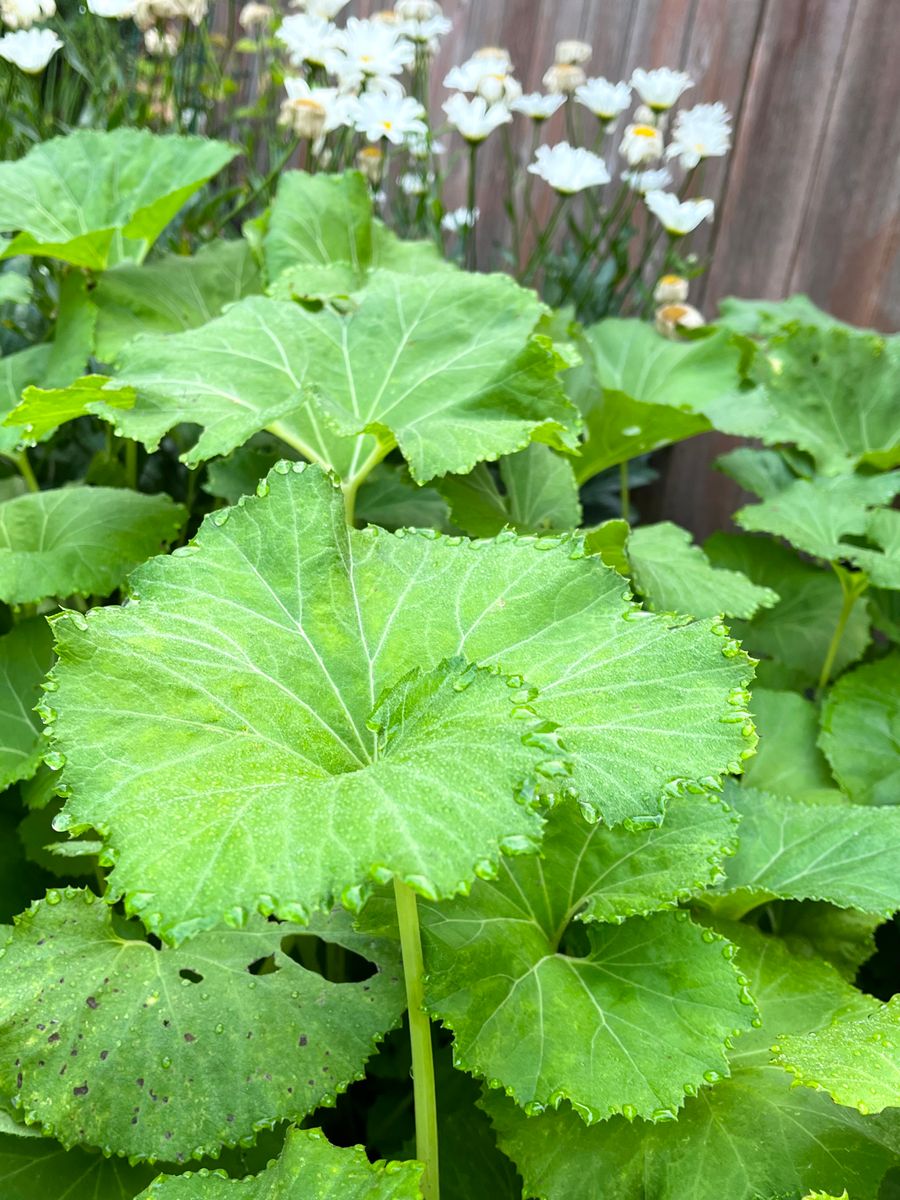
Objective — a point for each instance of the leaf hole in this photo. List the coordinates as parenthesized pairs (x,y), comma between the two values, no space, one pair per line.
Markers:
(332,962)
(264,966)
(191,976)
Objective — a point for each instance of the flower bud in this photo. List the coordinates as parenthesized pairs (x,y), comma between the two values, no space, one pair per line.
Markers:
(672,318)
(370,160)
(564,78)
(255,16)
(306,117)
(671,289)
(572,53)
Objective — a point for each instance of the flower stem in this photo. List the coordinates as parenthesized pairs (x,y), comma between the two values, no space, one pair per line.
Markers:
(540,250)
(471,250)
(852,587)
(420,1038)
(623,490)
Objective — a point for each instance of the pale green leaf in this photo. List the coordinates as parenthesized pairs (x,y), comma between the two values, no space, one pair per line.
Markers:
(40,1169)
(674,575)
(79,540)
(856,1062)
(861,731)
(309,1168)
(882,561)
(762,318)
(796,632)
(337,281)
(42,410)
(443,365)
(170,294)
(241,680)
(750,1137)
(649,391)
(319,219)
(787,761)
(762,472)
(833,392)
(73,334)
(391,498)
(502,977)
(15,288)
(95,198)
(171,1054)
(609,540)
(839,852)
(818,515)
(539,494)
(26,654)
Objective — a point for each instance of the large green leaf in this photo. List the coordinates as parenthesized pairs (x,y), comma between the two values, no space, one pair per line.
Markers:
(815,929)
(794,850)
(819,515)
(309,1168)
(319,220)
(762,472)
(25,657)
(170,294)
(855,1062)
(539,494)
(42,410)
(647,391)
(787,761)
(796,632)
(749,1137)
(79,540)
(96,198)
(861,731)
(834,393)
(40,1169)
(255,698)
(171,1054)
(674,575)
(502,977)
(762,318)
(443,365)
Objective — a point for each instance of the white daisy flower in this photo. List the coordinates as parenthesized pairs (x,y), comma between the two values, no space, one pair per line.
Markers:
(572,52)
(537,106)
(671,289)
(564,78)
(474,118)
(647,181)
(254,16)
(30,49)
(494,52)
(309,39)
(117,10)
(412,184)
(672,318)
(326,9)
(314,111)
(604,99)
(660,88)
(371,49)
(22,14)
(392,117)
(641,144)
(487,77)
(421,21)
(567,169)
(703,131)
(678,217)
(459,219)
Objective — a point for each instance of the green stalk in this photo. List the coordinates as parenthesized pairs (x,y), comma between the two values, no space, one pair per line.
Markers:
(275,171)
(623,490)
(131,464)
(852,587)
(470,254)
(420,1039)
(543,243)
(24,466)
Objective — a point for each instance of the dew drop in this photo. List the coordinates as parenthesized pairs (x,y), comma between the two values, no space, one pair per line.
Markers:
(54,897)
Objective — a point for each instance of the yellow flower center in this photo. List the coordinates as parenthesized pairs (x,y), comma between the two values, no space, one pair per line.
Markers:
(387,124)
(670,279)
(371,152)
(673,312)
(305,102)
(647,131)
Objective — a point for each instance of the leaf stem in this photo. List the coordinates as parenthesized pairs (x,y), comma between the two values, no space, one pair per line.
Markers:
(853,585)
(24,466)
(623,490)
(131,464)
(420,1038)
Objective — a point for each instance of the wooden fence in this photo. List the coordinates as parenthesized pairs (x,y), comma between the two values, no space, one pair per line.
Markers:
(806,201)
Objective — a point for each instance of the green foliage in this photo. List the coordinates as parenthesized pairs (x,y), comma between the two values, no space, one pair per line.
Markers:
(282,629)
(79,541)
(95,199)
(42,410)
(308,1169)
(25,658)
(171,1054)
(860,727)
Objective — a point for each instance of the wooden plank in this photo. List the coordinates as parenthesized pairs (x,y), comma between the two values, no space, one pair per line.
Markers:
(793,71)
(848,254)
